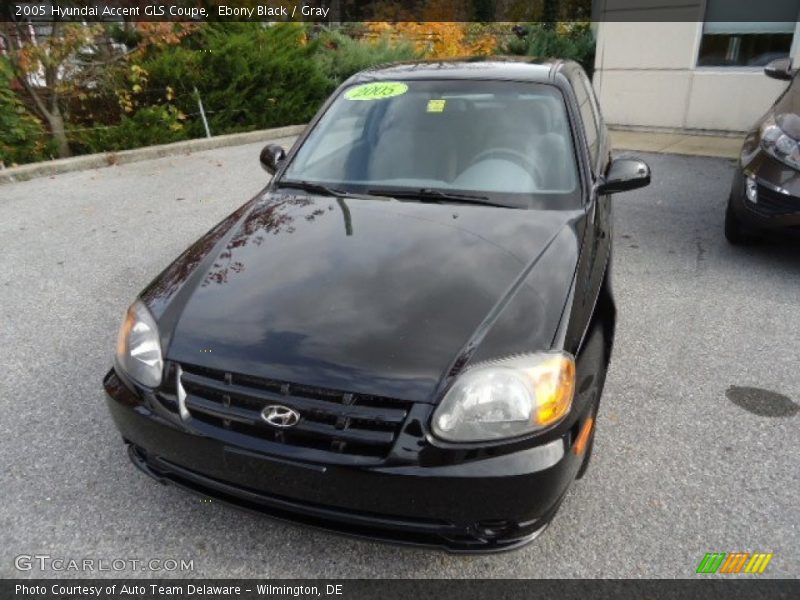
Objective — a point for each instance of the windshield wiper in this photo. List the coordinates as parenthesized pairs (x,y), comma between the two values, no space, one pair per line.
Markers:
(423,194)
(435,195)
(324,190)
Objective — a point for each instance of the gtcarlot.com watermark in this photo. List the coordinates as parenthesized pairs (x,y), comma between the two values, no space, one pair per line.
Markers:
(62,564)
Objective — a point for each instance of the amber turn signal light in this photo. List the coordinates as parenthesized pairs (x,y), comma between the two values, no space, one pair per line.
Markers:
(583,436)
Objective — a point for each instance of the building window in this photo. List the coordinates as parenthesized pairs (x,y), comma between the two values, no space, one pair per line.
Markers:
(729,40)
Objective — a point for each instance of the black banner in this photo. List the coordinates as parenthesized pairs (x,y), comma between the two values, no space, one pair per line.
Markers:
(750,588)
(337,11)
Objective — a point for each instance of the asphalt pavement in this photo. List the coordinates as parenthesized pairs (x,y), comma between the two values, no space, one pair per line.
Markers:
(687,460)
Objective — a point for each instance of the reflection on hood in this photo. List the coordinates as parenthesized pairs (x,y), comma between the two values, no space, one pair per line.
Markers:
(368,296)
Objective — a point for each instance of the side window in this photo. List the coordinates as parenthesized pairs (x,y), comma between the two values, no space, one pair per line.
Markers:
(588,116)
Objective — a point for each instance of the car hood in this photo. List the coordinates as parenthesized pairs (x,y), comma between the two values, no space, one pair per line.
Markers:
(367,296)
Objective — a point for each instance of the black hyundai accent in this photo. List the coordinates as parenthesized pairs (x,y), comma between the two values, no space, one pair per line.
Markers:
(405,335)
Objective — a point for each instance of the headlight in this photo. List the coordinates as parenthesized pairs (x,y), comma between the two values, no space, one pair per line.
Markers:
(139,347)
(507,398)
(777,143)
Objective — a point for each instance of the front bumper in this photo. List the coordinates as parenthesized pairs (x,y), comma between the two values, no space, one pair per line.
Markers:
(486,505)
(778,187)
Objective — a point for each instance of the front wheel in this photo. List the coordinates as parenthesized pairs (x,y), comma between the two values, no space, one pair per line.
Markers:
(735,231)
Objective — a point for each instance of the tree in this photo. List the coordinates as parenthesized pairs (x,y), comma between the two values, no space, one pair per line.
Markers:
(41,66)
(57,62)
(443,32)
(22,136)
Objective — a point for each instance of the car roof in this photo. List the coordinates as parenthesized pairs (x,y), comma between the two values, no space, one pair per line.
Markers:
(516,68)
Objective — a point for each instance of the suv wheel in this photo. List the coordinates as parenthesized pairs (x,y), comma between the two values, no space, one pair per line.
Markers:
(735,231)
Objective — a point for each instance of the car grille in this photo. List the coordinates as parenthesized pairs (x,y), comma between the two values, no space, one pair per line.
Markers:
(330,420)
(772,203)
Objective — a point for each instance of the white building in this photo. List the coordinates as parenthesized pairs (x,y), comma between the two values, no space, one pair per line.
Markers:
(704,72)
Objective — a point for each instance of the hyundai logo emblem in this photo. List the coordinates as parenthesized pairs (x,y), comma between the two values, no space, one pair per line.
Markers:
(280,416)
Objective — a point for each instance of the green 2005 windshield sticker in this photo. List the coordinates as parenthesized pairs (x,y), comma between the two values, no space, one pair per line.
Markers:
(376,91)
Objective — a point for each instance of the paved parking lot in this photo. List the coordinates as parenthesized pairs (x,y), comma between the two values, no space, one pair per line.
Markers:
(686,460)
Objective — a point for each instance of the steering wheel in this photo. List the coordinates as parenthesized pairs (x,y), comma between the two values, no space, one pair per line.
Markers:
(518,158)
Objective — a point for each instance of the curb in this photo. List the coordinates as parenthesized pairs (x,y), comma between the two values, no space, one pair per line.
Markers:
(712,145)
(108,159)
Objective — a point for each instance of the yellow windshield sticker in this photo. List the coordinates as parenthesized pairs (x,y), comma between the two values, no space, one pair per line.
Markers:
(436,105)
(376,91)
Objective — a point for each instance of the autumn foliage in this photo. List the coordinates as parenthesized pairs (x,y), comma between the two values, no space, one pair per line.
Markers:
(439,35)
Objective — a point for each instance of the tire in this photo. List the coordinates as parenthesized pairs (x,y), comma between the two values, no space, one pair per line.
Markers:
(735,232)
(598,337)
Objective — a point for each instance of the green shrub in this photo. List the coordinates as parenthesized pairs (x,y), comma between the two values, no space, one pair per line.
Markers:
(341,56)
(149,125)
(23,137)
(249,76)
(573,41)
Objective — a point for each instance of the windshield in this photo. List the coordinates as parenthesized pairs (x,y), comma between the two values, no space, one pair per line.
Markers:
(507,142)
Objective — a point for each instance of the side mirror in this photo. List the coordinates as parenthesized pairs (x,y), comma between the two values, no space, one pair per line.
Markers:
(623,175)
(780,68)
(271,157)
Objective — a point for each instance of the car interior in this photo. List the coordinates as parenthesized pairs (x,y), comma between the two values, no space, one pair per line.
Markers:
(514,143)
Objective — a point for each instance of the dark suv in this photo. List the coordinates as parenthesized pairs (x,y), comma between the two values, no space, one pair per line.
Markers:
(766,185)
